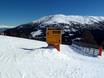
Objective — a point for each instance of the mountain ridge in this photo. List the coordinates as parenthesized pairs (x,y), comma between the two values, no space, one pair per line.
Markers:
(73,27)
(68,18)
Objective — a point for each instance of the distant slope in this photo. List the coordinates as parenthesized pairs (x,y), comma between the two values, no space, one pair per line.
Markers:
(23,58)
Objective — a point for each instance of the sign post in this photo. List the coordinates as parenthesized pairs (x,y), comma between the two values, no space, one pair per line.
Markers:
(53,37)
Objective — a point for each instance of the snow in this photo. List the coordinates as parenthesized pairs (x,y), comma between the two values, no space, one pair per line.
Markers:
(23,58)
(68,19)
(6,26)
(36,33)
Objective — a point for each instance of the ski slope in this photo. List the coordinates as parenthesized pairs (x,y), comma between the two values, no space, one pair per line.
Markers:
(23,58)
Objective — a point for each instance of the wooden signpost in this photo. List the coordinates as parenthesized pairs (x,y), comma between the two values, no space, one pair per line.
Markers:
(53,37)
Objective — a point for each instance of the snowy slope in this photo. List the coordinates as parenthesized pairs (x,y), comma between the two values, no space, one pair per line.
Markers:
(23,58)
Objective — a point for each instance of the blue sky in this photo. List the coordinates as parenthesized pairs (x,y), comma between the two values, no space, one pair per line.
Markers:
(15,12)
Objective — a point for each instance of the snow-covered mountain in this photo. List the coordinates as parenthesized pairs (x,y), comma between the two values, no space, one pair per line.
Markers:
(68,19)
(5,27)
(72,26)
(24,58)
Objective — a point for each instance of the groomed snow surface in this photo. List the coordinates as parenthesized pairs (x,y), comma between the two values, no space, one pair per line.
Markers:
(23,58)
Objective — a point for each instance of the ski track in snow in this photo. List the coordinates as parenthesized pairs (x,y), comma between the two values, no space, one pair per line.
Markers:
(23,58)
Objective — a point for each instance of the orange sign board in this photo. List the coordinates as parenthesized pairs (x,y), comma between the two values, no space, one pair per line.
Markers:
(53,36)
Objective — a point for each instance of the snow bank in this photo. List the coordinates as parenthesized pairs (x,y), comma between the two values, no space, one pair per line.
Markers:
(23,58)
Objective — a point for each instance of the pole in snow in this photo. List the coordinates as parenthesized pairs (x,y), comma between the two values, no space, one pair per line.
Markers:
(100,51)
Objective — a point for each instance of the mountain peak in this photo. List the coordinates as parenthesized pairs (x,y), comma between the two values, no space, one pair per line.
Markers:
(60,18)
